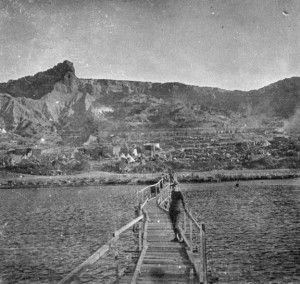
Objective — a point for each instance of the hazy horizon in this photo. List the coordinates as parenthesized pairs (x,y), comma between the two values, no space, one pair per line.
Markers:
(232,45)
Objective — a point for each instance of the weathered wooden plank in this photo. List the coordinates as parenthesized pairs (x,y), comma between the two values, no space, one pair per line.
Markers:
(164,261)
(168,261)
(167,237)
(149,276)
(159,233)
(165,280)
(146,275)
(175,256)
(175,268)
(165,249)
(166,244)
(157,246)
(157,211)
(158,230)
(160,223)
(162,228)
(167,254)
(159,219)
(169,279)
(139,265)
(160,280)
(160,238)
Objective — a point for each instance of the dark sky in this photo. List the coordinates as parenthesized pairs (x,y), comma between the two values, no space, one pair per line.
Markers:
(231,44)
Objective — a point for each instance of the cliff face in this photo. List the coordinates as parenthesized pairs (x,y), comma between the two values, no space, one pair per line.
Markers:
(57,99)
(42,83)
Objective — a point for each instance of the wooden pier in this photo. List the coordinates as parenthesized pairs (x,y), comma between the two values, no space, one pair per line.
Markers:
(158,259)
(162,261)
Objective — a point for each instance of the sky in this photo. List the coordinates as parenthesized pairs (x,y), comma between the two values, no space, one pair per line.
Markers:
(229,44)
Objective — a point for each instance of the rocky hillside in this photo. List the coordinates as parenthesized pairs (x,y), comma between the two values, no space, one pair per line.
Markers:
(59,103)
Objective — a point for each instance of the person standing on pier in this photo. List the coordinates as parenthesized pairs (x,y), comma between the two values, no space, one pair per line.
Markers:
(171,176)
(174,210)
(162,181)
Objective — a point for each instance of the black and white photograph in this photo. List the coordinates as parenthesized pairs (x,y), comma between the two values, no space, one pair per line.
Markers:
(150,141)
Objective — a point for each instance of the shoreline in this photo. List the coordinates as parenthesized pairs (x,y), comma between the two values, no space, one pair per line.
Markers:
(94,178)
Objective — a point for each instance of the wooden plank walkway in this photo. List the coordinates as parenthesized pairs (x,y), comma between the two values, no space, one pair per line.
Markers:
(164,261)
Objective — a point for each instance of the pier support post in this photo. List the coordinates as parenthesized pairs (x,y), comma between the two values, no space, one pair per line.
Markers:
(191,235)
(117,265)
(203,264)
(140,228)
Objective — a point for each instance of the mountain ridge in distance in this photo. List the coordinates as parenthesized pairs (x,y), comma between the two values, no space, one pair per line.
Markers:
(57,99)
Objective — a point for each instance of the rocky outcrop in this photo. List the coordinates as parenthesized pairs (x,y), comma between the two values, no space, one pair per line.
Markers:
(42,83)
(56,97)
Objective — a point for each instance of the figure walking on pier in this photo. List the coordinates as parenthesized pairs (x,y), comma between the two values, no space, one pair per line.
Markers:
(174,210)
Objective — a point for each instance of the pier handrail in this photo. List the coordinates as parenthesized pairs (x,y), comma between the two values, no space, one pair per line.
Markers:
(149,191)
(161,190)
(189,229)
(142,219)
(143,252)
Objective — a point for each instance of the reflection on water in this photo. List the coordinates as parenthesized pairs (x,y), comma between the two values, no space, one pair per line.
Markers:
(253,230)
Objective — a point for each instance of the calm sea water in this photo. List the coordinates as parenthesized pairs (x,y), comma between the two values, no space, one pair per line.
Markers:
(253,230)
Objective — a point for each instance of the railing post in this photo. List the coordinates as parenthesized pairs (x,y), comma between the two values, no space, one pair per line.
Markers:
(140,228)
(201,258)
(184,221)
(191,234)
(203,267)
(204,254)
(144,220)
(115,246)
(117,264)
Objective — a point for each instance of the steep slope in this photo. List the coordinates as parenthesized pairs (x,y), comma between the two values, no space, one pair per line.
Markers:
(280,99)
(16,111)
(56,99)
(42,83)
